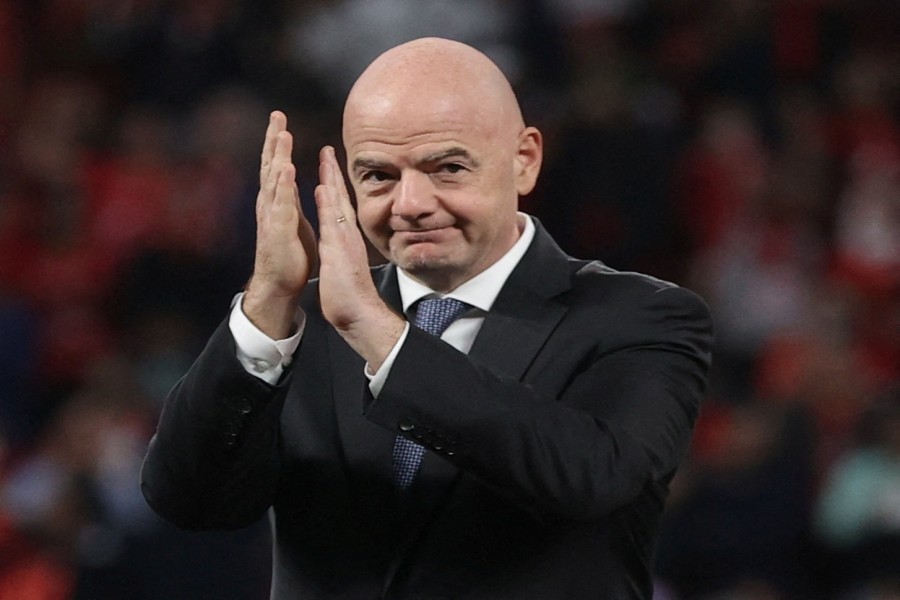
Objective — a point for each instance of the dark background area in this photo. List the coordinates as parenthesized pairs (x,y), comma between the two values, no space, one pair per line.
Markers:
(747,149)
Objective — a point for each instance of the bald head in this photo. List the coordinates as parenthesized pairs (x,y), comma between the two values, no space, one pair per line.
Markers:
(430,75)
(438,157)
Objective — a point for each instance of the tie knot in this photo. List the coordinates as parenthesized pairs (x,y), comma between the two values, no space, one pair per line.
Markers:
(434,315)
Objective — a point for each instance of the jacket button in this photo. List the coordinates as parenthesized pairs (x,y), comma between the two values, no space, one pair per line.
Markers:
(245,407)
(406,425)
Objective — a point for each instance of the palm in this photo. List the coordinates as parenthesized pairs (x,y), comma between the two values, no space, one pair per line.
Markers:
(285,242)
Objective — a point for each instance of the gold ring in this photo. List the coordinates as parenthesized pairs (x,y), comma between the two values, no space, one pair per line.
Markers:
(341,219)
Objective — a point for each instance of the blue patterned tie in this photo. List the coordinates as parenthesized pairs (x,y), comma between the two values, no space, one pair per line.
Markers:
(433,315)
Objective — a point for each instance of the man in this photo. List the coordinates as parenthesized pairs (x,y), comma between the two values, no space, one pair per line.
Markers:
(554,410)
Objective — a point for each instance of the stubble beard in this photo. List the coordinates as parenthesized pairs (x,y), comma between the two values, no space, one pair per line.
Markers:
(437,272)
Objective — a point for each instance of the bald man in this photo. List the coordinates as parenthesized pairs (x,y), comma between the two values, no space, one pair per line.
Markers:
(524,451)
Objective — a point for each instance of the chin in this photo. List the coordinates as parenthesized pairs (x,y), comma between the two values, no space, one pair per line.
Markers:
(430,265)
(420,264)
(417,259)
(426,266)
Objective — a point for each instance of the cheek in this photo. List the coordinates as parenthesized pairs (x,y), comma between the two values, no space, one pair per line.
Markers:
(374,221)
(488,211)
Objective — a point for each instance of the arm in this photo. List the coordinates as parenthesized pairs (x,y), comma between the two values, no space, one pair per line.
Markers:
(214,459)
(616,417)
(285,241)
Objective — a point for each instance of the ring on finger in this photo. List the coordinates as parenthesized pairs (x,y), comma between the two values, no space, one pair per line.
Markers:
(341,219)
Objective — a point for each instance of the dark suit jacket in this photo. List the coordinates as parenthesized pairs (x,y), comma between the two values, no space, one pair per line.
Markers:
(551,444)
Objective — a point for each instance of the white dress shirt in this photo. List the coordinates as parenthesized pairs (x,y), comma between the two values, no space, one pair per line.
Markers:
(266,358)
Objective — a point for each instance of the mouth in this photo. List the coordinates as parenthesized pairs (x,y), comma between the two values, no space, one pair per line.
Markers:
(416,236)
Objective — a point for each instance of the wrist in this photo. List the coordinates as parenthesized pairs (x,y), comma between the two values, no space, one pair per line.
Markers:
(270,312)
(374,335)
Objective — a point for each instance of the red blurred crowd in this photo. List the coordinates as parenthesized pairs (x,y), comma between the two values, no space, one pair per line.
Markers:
(748,149)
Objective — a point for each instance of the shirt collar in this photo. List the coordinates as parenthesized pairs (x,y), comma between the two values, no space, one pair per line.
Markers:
(481,290)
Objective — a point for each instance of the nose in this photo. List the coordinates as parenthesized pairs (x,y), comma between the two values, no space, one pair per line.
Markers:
(414,196)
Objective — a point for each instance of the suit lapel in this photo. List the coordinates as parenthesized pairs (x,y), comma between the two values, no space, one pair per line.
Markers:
(368,448)
(524,315)
(526,312)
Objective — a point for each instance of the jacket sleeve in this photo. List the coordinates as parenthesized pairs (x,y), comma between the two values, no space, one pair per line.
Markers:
(214,460)
(622,419)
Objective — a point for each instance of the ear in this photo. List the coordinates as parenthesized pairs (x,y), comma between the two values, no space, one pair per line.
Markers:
(528,160)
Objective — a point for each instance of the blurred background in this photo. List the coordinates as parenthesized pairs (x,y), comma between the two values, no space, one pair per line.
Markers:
(748,149)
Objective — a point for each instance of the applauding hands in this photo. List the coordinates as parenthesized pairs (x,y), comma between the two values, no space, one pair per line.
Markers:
(287,252)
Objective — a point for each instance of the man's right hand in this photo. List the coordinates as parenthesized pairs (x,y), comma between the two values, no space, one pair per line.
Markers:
(285,241)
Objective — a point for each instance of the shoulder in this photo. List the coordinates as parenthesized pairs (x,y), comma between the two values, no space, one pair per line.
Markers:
(547,266)
(596,273)
(595,282)
(628,309)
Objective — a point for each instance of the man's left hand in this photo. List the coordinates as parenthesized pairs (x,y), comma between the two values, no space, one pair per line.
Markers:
(347,293)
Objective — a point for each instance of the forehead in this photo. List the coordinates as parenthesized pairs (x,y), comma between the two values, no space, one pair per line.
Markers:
(385,123)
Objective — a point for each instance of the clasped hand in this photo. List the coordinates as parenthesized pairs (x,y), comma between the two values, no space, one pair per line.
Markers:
(287,252)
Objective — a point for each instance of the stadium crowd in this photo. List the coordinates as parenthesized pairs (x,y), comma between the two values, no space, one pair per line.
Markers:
(748,149)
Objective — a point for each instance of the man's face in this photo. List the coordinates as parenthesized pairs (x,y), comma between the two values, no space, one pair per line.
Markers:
(436,185)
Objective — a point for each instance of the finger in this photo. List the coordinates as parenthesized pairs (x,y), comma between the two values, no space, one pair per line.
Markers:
(331,175)
(286,195)
(328,210)
(281,158)
(327,202)
(278,213)
(277,122)
(340,184)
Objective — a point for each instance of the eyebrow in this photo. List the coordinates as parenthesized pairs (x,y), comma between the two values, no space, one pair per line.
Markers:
(368,163)
(454,152)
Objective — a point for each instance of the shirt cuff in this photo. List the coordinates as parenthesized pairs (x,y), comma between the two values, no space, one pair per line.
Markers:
(376,380)
(260,355)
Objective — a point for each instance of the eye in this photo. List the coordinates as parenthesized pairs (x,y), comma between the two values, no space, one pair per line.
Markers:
(375,176)
(451,168)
